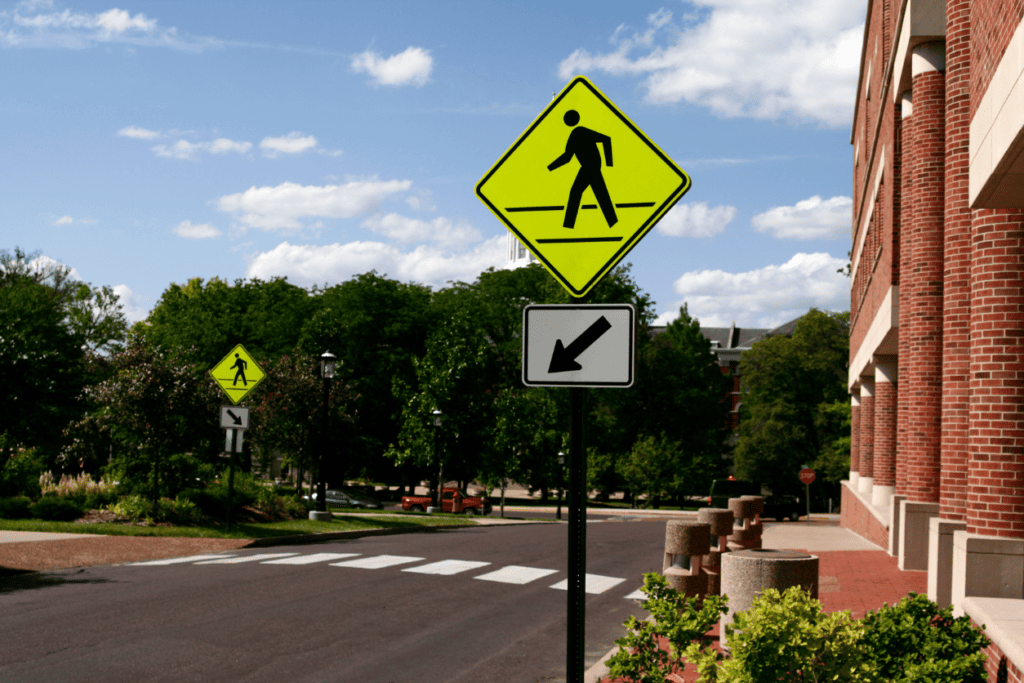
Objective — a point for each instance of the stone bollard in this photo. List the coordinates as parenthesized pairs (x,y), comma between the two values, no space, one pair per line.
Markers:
(720,521)
(686,543)
(746,531)
(745,573)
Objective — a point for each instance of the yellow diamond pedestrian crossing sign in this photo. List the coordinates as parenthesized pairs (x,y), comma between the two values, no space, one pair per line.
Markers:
(237,374)
(581,186)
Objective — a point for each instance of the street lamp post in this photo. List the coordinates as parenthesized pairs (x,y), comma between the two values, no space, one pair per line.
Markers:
(561,475)
(327,365)
(438,420)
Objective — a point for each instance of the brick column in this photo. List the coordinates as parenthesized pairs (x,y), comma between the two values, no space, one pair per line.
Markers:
(903,399)
(995,468)
(922,355)
(867,435)
(855,436)
(956,305)
(884,466)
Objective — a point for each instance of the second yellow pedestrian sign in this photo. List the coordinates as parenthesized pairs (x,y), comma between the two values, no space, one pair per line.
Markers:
(581,186)
(237,374)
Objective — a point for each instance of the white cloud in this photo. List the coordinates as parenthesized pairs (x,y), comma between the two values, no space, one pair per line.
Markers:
(183,149)
(750,58)
(39,25)
(138,133)
(411,67)
(309,264)
(132,307)
(223,146)
(696,220)
(813,218)
(440,230)
(200,231)
(281,207)
(293,143)
(64,220)
(766,297)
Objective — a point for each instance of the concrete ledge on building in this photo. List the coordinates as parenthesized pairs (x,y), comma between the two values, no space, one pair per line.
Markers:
(1003,619)
(861,517)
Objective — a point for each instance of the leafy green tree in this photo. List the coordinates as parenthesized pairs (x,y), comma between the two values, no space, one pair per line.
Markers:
(784,382)
(526,441)
(205,320)
(377,327)
(287,416)
(456,376)
(655,469)
(154,406)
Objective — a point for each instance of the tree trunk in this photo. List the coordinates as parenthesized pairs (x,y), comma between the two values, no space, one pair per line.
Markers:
(544,494)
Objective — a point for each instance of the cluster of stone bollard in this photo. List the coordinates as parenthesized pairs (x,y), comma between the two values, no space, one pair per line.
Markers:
(693,564)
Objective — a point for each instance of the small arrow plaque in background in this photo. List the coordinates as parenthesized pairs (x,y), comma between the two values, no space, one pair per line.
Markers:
(579,345)
(234,417)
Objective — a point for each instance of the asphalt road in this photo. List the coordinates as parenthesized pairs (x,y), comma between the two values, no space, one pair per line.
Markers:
(317,622)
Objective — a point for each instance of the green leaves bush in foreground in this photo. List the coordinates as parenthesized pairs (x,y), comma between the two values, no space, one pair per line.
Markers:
(787,637)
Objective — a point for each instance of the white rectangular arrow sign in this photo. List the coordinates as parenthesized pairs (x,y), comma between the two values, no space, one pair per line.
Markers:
(579,345)
(234,417)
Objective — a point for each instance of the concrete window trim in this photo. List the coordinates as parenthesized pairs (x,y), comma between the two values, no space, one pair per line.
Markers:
(996,142)
(881,335)
(863,232)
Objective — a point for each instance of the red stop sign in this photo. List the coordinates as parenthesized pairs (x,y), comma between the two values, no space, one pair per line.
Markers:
(807,475)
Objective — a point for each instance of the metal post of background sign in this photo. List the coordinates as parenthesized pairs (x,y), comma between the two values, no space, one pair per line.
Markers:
(231,474)
(577,622)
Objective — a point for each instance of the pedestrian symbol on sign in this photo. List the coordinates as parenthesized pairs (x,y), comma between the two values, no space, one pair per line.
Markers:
(582,144)
(241,365)
(237,366)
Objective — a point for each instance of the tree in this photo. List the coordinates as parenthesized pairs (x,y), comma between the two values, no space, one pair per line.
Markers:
(377,327)
(287,416)
(205,320)
(654,468)
(784,382)
(155,405)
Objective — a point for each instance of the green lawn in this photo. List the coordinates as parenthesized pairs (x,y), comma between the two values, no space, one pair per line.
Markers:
(239,530)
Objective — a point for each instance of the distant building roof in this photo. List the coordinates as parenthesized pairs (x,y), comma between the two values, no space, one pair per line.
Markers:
(729,342)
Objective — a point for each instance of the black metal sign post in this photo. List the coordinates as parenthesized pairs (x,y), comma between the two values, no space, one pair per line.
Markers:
(231,471)
(576,627)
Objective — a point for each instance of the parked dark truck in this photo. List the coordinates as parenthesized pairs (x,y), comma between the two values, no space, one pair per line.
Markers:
(779,508)
(452,500)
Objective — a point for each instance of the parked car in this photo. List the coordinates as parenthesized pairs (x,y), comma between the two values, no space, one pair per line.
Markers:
(349,498)
(452,500)
(782,508)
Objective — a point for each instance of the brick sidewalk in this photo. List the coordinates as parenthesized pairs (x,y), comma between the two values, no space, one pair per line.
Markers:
(855,580)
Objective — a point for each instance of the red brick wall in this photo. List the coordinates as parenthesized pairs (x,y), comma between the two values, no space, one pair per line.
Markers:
(993,23)
(921,340)
(995,477)
(855,434)
(884,465)
(904,399)
(867,434)
(995,660)
(956,304)
(855,517)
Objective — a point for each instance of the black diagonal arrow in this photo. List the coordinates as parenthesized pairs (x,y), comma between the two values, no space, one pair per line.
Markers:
(564,358)
(236,418)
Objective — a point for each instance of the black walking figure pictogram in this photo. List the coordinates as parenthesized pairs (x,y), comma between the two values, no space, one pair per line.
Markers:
(241,365)
(582,144)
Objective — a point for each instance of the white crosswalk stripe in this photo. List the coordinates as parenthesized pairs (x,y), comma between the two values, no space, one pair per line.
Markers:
(178,560)
(446,567)
(310,559)
(378,562)
(247,558)
(516,574)
(637,595)
(595,584)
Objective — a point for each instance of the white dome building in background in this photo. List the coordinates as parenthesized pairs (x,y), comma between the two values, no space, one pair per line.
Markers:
(517,255)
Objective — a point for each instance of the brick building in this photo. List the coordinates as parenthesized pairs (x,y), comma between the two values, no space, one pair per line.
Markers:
(936,369)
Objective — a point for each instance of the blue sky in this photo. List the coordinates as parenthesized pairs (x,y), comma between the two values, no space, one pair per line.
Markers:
(147,143)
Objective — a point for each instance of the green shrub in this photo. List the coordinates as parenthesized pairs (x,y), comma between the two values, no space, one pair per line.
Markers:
(679,619)
(184,512)
(53,508)
(20,476)
(19,507)
(914,640)
(786,637)
(133,507)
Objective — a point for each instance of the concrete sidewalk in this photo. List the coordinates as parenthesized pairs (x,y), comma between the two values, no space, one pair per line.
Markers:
(854,574)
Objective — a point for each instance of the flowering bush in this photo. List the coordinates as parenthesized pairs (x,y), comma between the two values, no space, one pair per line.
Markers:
(85,492)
